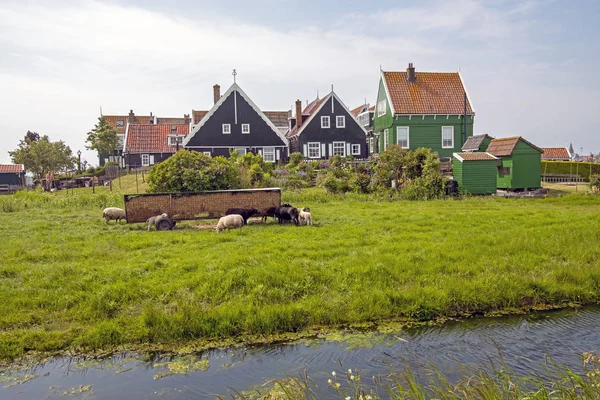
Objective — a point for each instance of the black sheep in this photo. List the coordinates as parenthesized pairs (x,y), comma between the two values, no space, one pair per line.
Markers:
(287,213)
(244,212)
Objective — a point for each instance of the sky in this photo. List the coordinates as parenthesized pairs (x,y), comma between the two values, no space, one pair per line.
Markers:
(529,66)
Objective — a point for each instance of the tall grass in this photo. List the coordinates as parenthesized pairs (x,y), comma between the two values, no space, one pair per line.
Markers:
(69,280)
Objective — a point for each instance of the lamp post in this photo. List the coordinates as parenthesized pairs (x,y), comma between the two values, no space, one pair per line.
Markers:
(79,161)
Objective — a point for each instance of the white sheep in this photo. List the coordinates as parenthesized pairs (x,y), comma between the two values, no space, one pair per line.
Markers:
(115,213)
(305,217)
(150,221)
(229,222)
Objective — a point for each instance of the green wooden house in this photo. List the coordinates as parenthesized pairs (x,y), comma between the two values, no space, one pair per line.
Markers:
(475,172)
(477,143)
(520,165)
(422,109)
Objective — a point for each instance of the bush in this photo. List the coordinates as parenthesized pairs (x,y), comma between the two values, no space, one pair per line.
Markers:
(583,169)
(595,183)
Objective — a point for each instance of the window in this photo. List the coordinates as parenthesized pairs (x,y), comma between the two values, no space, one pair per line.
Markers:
(145,160)
(226,129)
(325,122)
(339,148)
(206,153)
(314,150)
(269,154)
(381,108)
(173,128)
(386,139)
(121,140)
(356,149)
(340,121)
(370,145)
(504,171)
(402,136)
(120,122)
(246,128)
(174,140)
(447,137)
(241,151)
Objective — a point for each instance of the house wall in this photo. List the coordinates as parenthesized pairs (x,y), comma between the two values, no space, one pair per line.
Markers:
(527,167)
(505,182)
(135,160)
(351,134)
(475,177)
(484,144)
(385,120)
(11,178)
(211,133)
(224,151)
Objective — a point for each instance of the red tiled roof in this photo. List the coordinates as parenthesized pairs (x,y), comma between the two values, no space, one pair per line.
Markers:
(372,108)
(170,120)
(308,111)
(506,146)
(112,121)
(278,118)
(13,168)
(197,115)
(431,93)
(475,156)
(356,111)
(152,138)
(555,153)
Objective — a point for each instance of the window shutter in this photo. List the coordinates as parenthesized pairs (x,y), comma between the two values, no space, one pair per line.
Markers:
(151,159)
(277,154)
(305,149)
(330,149)
(348,151)
(323,150)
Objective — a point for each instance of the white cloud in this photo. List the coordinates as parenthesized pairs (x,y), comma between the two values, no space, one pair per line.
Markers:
(62,61)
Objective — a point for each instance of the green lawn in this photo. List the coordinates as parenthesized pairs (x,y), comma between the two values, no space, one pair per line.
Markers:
(68,280)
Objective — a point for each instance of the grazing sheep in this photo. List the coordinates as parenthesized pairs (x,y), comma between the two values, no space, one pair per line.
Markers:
(115,213)
(150,221)
(287,213)
(305,217)
(229,222)
(269,212)
(244,212)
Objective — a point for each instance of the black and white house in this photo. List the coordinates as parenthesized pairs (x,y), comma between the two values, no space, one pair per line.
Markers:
(326,127)
(235,122)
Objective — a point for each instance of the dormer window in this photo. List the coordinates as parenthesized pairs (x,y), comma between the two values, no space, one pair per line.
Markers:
(173,128)
(174,140)
(120,122)
(325,122)
(245,128)
(226,129)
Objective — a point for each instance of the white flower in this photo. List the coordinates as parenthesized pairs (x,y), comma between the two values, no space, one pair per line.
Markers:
(349,371)
(333,373)
(348,398)
(329,381)
(351,377)
(369,397)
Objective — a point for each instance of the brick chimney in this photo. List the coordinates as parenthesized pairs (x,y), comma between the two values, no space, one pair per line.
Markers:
(411,77)
(131,118)
(186,118)
(151,118)
(298,113)
(216,92)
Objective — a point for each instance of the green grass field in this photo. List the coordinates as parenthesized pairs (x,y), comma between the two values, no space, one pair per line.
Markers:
(70,281)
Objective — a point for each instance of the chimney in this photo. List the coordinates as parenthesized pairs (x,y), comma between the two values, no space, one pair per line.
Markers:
(216,92)
(298,113)
(186,118)
(410,73)
(151,119)
(131,118)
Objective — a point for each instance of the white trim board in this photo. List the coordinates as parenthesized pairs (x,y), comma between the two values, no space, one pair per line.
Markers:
(387,93)
(235,87)
(459,158)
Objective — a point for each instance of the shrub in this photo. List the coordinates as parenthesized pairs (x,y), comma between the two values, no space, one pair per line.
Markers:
(295,160)
(595,183)
(583,169)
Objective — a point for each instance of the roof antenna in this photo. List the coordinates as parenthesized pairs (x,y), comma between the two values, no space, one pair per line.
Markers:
(100,110)
(234,73)
(380,67)
(317,94)
(332,87)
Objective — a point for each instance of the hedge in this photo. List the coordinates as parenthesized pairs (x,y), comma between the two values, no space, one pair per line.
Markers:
(584,169)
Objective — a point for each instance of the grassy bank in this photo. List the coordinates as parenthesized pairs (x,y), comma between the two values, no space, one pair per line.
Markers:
(70,281)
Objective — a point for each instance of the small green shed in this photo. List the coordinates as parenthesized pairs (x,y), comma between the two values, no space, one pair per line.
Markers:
(477,143)
(520,165)
(475,172)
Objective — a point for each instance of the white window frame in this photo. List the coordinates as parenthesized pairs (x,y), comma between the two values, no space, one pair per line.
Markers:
(226,129)
(407,136)
(268,154)
(323,119)
(246,126)
(121,137)
(120,122)
(381,108)
(316,146)
(343,146)
(386,139)
(174,139)
(207,153)
(240,150)
(356,149)
(339,118)
(452,137)
(145,160)
(371,140)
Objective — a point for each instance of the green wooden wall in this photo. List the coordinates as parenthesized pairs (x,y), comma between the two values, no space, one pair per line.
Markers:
(484,144)
(475,177)
(525,168)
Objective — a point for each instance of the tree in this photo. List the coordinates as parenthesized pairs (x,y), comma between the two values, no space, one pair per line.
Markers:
(40,155)
(103,138)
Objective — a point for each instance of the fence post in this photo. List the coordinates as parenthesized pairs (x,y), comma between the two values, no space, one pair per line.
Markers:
(137,188)
(110,184)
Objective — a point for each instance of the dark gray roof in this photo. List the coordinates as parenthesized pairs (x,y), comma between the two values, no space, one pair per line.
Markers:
(473,142)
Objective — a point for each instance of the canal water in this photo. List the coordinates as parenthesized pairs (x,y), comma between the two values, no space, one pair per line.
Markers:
(523,343)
